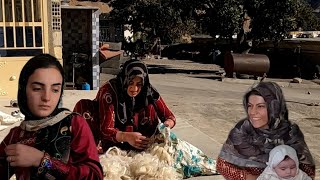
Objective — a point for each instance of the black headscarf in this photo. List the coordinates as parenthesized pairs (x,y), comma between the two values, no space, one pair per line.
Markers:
(128,105)
(247,146)
(39,61)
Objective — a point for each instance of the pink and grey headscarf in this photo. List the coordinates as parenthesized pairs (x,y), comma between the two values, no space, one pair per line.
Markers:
(247,146)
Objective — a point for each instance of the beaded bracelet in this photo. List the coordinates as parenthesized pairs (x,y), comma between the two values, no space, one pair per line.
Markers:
(45,164)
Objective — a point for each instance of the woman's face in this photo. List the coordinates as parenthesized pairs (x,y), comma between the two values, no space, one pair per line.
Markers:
(134,86)
(257,111)
(43,91)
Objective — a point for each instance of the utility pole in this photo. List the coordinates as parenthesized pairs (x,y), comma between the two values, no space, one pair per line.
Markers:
(159,45)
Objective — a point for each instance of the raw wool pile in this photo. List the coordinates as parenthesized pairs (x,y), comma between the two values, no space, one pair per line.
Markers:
(154,164)
(162,153)
(115,164)
(167,158)
(148,167)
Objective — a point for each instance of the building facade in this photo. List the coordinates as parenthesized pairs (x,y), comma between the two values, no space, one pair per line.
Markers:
(31,27)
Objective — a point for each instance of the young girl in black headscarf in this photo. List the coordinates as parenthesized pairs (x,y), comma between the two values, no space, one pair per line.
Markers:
(130,109)
(51,143)
(246,151)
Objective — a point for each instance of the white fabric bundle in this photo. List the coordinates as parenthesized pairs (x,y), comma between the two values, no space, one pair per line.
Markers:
(7,119)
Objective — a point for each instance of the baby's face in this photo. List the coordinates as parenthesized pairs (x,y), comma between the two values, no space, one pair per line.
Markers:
(286,169)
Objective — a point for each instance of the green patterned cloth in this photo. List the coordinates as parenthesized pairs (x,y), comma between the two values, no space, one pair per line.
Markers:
(188,159)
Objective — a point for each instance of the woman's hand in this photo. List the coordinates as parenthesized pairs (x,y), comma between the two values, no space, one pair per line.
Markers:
(169,123)
(136,140)
(20,155)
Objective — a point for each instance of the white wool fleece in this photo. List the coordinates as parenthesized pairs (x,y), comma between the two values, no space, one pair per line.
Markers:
(277,155)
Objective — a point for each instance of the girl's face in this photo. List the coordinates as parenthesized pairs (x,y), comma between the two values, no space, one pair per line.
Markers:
(257,111)
(43,91)
(286,169)
(134,87)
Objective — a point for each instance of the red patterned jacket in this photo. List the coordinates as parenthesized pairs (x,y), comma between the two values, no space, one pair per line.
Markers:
(145,121)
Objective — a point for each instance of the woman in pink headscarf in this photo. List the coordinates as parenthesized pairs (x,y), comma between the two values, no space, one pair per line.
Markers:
(246,150)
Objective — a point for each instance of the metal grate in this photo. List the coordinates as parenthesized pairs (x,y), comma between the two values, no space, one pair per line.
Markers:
(56,15)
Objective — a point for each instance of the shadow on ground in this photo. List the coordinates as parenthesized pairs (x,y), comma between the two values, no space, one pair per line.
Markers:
(215,76)
(164,69)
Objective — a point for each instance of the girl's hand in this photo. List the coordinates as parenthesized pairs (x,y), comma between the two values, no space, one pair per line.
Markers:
(20,155)
(99,148)
(136,140)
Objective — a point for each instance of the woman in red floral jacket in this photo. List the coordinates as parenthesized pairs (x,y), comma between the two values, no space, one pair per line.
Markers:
(130,109)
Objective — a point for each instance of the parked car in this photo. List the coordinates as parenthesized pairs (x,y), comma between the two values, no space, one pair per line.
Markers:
(305,35)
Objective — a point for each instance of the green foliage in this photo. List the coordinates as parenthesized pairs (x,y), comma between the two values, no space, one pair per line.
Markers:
(166,19)
(273,19)
(306,19)
(228,17)
(171,19)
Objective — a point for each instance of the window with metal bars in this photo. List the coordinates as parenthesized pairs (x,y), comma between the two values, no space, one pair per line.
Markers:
(56,15)
(21,28)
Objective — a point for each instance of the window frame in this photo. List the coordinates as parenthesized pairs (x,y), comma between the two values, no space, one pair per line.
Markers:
(35,24)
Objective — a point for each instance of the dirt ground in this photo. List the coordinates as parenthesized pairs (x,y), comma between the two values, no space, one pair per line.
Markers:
(196,97)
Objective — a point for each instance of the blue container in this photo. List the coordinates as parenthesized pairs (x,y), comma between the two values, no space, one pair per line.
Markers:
(85,86)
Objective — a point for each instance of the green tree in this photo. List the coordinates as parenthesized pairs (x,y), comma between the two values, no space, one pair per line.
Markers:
(272,19)
(227,17)
(170,19)
(306,19)
(167,19)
